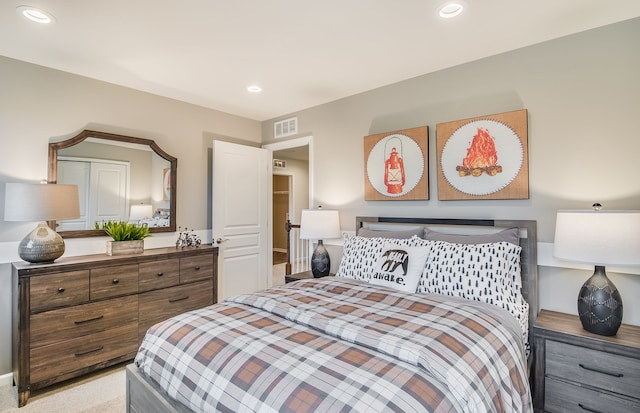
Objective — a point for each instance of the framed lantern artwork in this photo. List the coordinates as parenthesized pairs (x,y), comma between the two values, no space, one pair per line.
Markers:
(484,157)
(396,165)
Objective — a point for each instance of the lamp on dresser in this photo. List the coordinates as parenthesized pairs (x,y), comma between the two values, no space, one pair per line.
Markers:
(41,202)
(600,238)
(320,224)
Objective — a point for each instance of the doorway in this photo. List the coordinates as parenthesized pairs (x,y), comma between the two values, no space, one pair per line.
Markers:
(292,192)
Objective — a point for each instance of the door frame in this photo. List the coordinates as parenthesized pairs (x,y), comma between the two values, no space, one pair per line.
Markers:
(296,143)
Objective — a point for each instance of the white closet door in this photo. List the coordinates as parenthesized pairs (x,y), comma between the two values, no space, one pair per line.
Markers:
(76,173)
(109,194)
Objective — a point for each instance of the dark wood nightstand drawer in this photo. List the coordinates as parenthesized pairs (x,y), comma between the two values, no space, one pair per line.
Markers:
(594,368)
(563,397)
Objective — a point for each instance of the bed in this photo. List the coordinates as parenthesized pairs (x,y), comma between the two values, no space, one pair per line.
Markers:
(363,341)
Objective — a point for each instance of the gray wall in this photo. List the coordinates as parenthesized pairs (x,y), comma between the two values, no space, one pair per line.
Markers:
(39,105)
(582,94)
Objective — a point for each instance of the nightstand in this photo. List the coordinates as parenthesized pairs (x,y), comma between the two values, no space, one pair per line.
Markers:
(577,371)
(300,276)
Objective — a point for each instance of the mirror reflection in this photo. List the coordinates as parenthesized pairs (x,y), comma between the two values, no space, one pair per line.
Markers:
(119,178)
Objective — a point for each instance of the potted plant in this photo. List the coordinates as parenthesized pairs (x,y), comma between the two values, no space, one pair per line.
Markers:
(127,238)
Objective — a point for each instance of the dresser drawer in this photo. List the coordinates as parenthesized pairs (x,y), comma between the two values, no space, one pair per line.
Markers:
(67,356)
(562,397)
(594,368)
(67,323)
(57,290)
(114,281)
(158,274)
(194,268)
(156,306)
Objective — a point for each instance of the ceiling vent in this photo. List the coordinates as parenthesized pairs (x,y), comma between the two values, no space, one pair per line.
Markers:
(286,127)
(279,163)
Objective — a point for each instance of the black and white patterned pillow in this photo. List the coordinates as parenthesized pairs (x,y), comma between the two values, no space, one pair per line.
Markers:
(483,272)
(361,254)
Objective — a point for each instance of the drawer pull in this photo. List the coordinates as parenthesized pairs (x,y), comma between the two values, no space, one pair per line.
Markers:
(160,274)
(115,281)
(61,289)
(589,409)
(89,320)
(84,353)
(197,267)
(186,297)
(608,373)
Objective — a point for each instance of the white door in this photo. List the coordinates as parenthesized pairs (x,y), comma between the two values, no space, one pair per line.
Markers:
(75,173)
(109,195)
(241,217)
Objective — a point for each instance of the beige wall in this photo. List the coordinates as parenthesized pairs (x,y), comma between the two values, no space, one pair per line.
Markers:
(582,94)
(39,105)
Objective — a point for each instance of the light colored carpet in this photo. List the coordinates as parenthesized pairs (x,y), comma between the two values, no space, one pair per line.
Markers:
(103,392)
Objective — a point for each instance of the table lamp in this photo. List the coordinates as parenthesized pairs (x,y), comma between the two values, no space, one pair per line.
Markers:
(41,202)
(319,224)
(601,238)
(140,211)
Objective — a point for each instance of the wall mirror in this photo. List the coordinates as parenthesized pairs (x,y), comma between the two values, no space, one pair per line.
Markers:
(119,178)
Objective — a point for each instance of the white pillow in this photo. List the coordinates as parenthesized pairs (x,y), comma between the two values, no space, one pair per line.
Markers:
(400,267)
(360,254)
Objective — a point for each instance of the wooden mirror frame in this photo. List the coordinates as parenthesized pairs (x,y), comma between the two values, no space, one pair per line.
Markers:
(54,147)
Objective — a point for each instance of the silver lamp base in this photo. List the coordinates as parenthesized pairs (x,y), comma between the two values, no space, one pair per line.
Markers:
(41,245)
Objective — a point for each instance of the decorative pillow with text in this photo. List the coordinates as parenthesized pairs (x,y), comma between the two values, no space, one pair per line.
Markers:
(400,267)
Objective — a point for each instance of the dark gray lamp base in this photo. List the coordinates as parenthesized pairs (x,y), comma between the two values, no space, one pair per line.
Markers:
(320,262)
(600,304)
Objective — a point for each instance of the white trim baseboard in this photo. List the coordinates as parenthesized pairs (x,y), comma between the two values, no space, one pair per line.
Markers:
(6,380)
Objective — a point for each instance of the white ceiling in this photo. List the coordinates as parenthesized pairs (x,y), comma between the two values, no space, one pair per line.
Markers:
(302,53)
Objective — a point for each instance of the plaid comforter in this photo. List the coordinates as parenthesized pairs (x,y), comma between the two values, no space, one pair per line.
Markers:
(340,345)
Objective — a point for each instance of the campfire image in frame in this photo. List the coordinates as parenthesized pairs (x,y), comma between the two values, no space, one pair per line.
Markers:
(483,158)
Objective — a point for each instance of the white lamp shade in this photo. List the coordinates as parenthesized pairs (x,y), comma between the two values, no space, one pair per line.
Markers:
(598,237)
(140,211)
(319,224)
(40,202)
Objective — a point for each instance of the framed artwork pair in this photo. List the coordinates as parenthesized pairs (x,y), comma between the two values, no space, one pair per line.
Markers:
(477,158)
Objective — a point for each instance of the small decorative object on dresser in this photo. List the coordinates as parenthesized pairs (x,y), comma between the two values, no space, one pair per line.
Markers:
(319,224)
(601,238)
(128,238)
(85,313)
(577,371)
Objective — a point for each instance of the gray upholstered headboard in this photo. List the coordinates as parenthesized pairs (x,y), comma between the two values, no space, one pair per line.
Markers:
(528,242)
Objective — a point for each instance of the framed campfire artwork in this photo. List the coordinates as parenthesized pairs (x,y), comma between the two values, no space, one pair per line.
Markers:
(483,158)
(396,165)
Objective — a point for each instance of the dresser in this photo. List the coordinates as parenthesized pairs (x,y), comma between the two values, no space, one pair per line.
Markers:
(81,314)
(577,371)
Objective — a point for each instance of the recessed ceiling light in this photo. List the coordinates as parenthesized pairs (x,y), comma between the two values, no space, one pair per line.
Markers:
(451,9)
(254,89)
(35,14)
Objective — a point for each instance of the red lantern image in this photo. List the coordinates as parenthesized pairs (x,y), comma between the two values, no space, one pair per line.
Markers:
(394,177)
